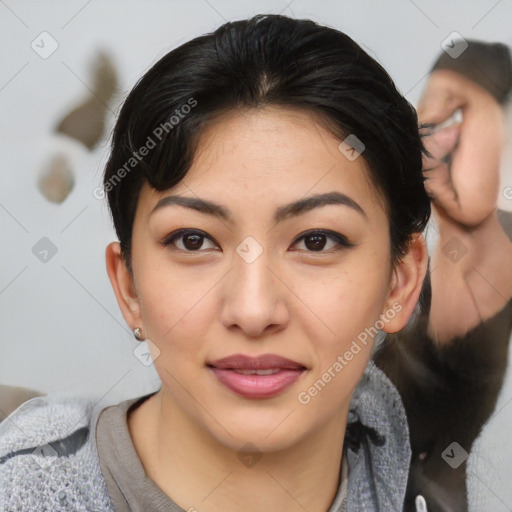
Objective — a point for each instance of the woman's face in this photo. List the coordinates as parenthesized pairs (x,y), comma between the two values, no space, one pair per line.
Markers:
(254,281)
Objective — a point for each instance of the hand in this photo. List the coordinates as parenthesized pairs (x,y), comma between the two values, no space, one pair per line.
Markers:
(463,174)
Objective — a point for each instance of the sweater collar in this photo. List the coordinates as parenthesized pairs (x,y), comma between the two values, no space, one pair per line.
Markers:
(377,445)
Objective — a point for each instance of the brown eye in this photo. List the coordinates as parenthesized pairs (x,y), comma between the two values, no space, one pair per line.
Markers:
(316,241)
(192,242)
(188,240)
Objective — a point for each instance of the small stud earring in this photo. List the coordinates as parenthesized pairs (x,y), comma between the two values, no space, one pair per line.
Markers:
(138,334)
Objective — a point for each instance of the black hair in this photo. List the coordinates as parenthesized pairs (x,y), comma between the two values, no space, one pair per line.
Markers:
(267,60)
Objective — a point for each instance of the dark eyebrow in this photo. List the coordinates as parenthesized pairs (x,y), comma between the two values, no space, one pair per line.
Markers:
(283,212)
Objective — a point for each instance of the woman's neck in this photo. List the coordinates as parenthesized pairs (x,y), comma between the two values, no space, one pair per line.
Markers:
(198,473)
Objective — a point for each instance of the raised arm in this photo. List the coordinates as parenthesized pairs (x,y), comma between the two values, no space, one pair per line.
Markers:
(471,267)
(450,361)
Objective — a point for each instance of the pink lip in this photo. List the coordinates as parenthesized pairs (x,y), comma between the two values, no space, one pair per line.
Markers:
(256,386)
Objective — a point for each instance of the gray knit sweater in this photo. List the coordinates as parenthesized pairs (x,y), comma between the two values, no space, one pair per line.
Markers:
(49,459)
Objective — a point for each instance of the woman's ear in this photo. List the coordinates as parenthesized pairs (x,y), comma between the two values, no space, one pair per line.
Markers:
(122,284)
(406,284)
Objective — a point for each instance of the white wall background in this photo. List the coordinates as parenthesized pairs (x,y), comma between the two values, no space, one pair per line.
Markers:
(60,326)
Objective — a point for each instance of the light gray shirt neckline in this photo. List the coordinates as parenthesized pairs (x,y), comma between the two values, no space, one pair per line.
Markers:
(129,487)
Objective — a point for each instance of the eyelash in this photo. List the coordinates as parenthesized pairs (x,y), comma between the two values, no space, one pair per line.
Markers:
(342,241)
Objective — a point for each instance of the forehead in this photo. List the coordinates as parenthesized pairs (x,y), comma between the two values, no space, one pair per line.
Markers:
(270,155)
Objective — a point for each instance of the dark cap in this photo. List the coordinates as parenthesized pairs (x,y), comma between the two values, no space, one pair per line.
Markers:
(487,64)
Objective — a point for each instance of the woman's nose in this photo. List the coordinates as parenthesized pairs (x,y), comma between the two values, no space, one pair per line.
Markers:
(254,295)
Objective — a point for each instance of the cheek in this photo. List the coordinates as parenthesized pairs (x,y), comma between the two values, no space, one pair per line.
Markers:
(175,310)
(347,307)
(347,299)
(350,307)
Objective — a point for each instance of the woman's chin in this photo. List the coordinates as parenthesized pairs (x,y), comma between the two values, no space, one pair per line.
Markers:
(252,442)
(253,433)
